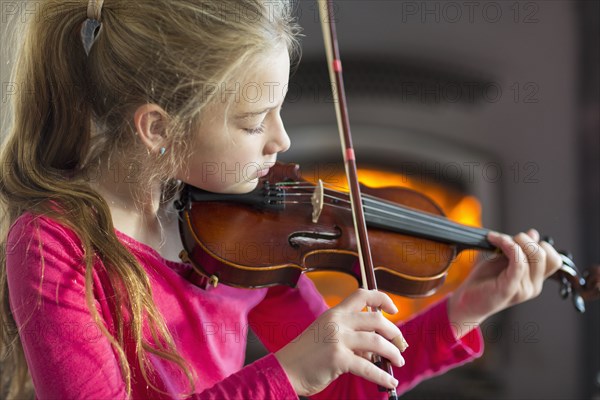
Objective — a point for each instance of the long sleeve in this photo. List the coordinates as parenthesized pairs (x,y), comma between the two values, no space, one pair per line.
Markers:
(263,379)
(433,348)
(68,356)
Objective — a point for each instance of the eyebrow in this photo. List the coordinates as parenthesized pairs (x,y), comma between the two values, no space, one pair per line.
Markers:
(254,113)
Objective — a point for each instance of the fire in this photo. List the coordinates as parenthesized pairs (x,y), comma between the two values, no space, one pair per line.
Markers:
(456,205)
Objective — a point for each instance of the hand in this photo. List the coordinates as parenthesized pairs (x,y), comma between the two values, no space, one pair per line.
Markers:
(340,341)
(503,280)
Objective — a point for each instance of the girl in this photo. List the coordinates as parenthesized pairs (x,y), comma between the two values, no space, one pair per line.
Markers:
(109,123)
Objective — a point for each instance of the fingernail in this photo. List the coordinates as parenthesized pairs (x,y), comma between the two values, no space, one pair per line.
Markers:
(400,342)
(534,234)
(493,234)
(395,382)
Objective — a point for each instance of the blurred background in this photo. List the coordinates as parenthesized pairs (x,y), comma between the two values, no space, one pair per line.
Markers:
(490,107)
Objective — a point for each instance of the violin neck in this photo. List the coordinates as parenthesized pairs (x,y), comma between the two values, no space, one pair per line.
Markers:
(404,220)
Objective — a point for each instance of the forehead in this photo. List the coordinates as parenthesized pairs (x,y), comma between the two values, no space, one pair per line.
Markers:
(262,85)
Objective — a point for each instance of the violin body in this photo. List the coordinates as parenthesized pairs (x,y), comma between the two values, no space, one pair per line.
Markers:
(243,245)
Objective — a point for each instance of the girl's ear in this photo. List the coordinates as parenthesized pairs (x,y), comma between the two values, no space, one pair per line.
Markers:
(150,121)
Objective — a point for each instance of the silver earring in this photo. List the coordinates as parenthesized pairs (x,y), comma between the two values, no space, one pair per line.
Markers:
(162,151)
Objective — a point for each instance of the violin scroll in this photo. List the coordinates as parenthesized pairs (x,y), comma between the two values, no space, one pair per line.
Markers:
(579,287)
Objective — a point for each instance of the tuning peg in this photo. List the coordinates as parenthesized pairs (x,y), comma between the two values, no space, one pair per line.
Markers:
(578,303)
(565,288)
(567,254)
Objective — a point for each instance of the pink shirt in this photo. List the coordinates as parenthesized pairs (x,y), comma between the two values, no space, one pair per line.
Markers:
(69,358)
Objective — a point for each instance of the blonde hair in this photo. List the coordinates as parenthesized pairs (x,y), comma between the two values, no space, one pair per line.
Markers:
(77,110)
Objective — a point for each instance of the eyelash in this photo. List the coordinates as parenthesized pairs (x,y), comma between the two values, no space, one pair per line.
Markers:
(256,131)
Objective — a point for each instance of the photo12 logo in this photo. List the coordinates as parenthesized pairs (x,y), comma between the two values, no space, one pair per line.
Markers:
(452,12)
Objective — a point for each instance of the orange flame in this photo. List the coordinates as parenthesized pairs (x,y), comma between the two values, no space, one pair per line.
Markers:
(456,205)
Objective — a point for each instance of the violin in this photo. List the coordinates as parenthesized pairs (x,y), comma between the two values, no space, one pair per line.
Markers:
(288,226)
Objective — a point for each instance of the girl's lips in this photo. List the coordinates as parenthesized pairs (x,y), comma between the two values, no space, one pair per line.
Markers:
(262,172)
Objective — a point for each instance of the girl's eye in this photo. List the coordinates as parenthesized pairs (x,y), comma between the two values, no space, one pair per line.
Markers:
(256,131)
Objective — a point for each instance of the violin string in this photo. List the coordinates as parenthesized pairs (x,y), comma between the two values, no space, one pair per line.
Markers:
(308,185)
(403,216)
(415,222)
(412,225)
(423,216)
(309,202)
(298,194)
(432,226)
(433,221)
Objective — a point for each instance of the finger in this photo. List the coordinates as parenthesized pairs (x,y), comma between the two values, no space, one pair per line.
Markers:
(367,355)
(361,342)
(516,266)
(400,342)
(534,234)
(368,298)
(504,243)
(553,259)
(536,263)
(366,369)
(374,322)
(534,254)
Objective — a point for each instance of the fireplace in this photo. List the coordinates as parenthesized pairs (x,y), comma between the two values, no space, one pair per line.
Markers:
(459,180)
(455,204)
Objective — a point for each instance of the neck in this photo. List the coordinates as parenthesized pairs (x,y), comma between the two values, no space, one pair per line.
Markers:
(135,207)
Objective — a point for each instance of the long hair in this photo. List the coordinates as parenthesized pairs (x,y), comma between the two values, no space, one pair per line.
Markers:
(71,111)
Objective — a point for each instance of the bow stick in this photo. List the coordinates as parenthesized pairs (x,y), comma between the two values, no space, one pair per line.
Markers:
(341,110)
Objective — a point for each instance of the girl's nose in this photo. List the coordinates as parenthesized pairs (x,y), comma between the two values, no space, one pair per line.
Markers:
(279,140)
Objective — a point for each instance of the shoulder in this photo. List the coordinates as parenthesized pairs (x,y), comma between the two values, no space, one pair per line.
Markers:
(40,236)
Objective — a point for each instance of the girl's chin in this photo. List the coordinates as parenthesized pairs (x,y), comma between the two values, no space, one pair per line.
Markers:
(234,188)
